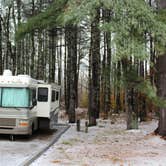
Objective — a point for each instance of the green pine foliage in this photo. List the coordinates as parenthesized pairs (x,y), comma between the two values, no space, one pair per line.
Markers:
(131,22)
(160,31)
(150,91)
(43,20)
(130,18)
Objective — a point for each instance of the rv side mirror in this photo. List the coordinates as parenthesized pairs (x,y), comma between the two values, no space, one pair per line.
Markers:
(34,102)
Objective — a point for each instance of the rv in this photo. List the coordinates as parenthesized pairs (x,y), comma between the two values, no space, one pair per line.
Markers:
(27,104)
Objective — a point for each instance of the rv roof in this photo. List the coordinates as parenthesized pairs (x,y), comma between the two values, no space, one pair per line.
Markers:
(15,80)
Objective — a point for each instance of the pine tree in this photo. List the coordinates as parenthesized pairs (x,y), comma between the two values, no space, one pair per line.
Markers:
(71,36)
(161,83)
(129,22)
(95,70)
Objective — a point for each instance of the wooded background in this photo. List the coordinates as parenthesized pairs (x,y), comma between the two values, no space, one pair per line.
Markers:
(105,54)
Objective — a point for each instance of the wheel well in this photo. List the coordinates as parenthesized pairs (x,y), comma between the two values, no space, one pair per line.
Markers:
(43,123)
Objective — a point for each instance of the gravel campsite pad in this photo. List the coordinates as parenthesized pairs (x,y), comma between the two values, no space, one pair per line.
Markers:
(107,144)
(16,152)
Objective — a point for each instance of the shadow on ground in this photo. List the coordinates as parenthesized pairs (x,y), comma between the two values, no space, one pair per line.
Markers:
(41,134)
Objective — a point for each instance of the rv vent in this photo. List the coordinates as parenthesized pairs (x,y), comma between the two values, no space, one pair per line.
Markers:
(40,81)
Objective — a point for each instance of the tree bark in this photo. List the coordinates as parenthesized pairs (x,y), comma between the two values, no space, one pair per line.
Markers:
(118,102)
(106,69)
(18,44)
(60,60)
(131,97)
(142,98)
(40,62)
(32,64)
(72,70)
(161,82)
(1,67)
(132,117)
(108,75)
(95,62)
(65,75)
(8,43)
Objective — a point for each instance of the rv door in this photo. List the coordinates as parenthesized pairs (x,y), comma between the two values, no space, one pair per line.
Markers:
(43,101)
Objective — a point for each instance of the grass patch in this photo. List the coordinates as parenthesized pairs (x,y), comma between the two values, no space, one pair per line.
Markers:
(67,143)
(70,141)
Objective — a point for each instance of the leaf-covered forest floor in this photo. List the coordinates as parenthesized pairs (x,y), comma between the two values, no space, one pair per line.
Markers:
(107,144)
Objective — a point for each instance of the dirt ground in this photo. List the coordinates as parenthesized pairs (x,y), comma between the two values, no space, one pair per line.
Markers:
(14,153)
(107,144)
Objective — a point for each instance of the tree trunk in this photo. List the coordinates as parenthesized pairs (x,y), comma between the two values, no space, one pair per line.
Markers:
(52,54)
(32,71)
(95,62)
(106,69)
(60,60)
(18,45)
(8,44)
(54,35)
(32,64)
(108,76)
(143,111)
(118,102)
(40,69)
(27,54)
(50,79)
(68,62)
(1,67)
(161,82)
(65,75)
(72,70)
(132,115)
(103,80)
(131,98)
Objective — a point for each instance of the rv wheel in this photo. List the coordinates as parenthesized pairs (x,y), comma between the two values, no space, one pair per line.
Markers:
(32,129)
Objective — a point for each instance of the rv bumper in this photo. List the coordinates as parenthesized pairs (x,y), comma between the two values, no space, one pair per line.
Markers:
(17,131)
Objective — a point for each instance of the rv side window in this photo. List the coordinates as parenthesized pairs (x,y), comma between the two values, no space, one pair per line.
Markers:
(57,96)
(53,96)
(43,94)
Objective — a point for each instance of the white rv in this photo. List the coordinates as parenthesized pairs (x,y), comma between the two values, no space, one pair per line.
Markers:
(26,104)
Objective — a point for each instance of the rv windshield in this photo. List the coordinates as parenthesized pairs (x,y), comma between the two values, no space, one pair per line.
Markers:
(14,97)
